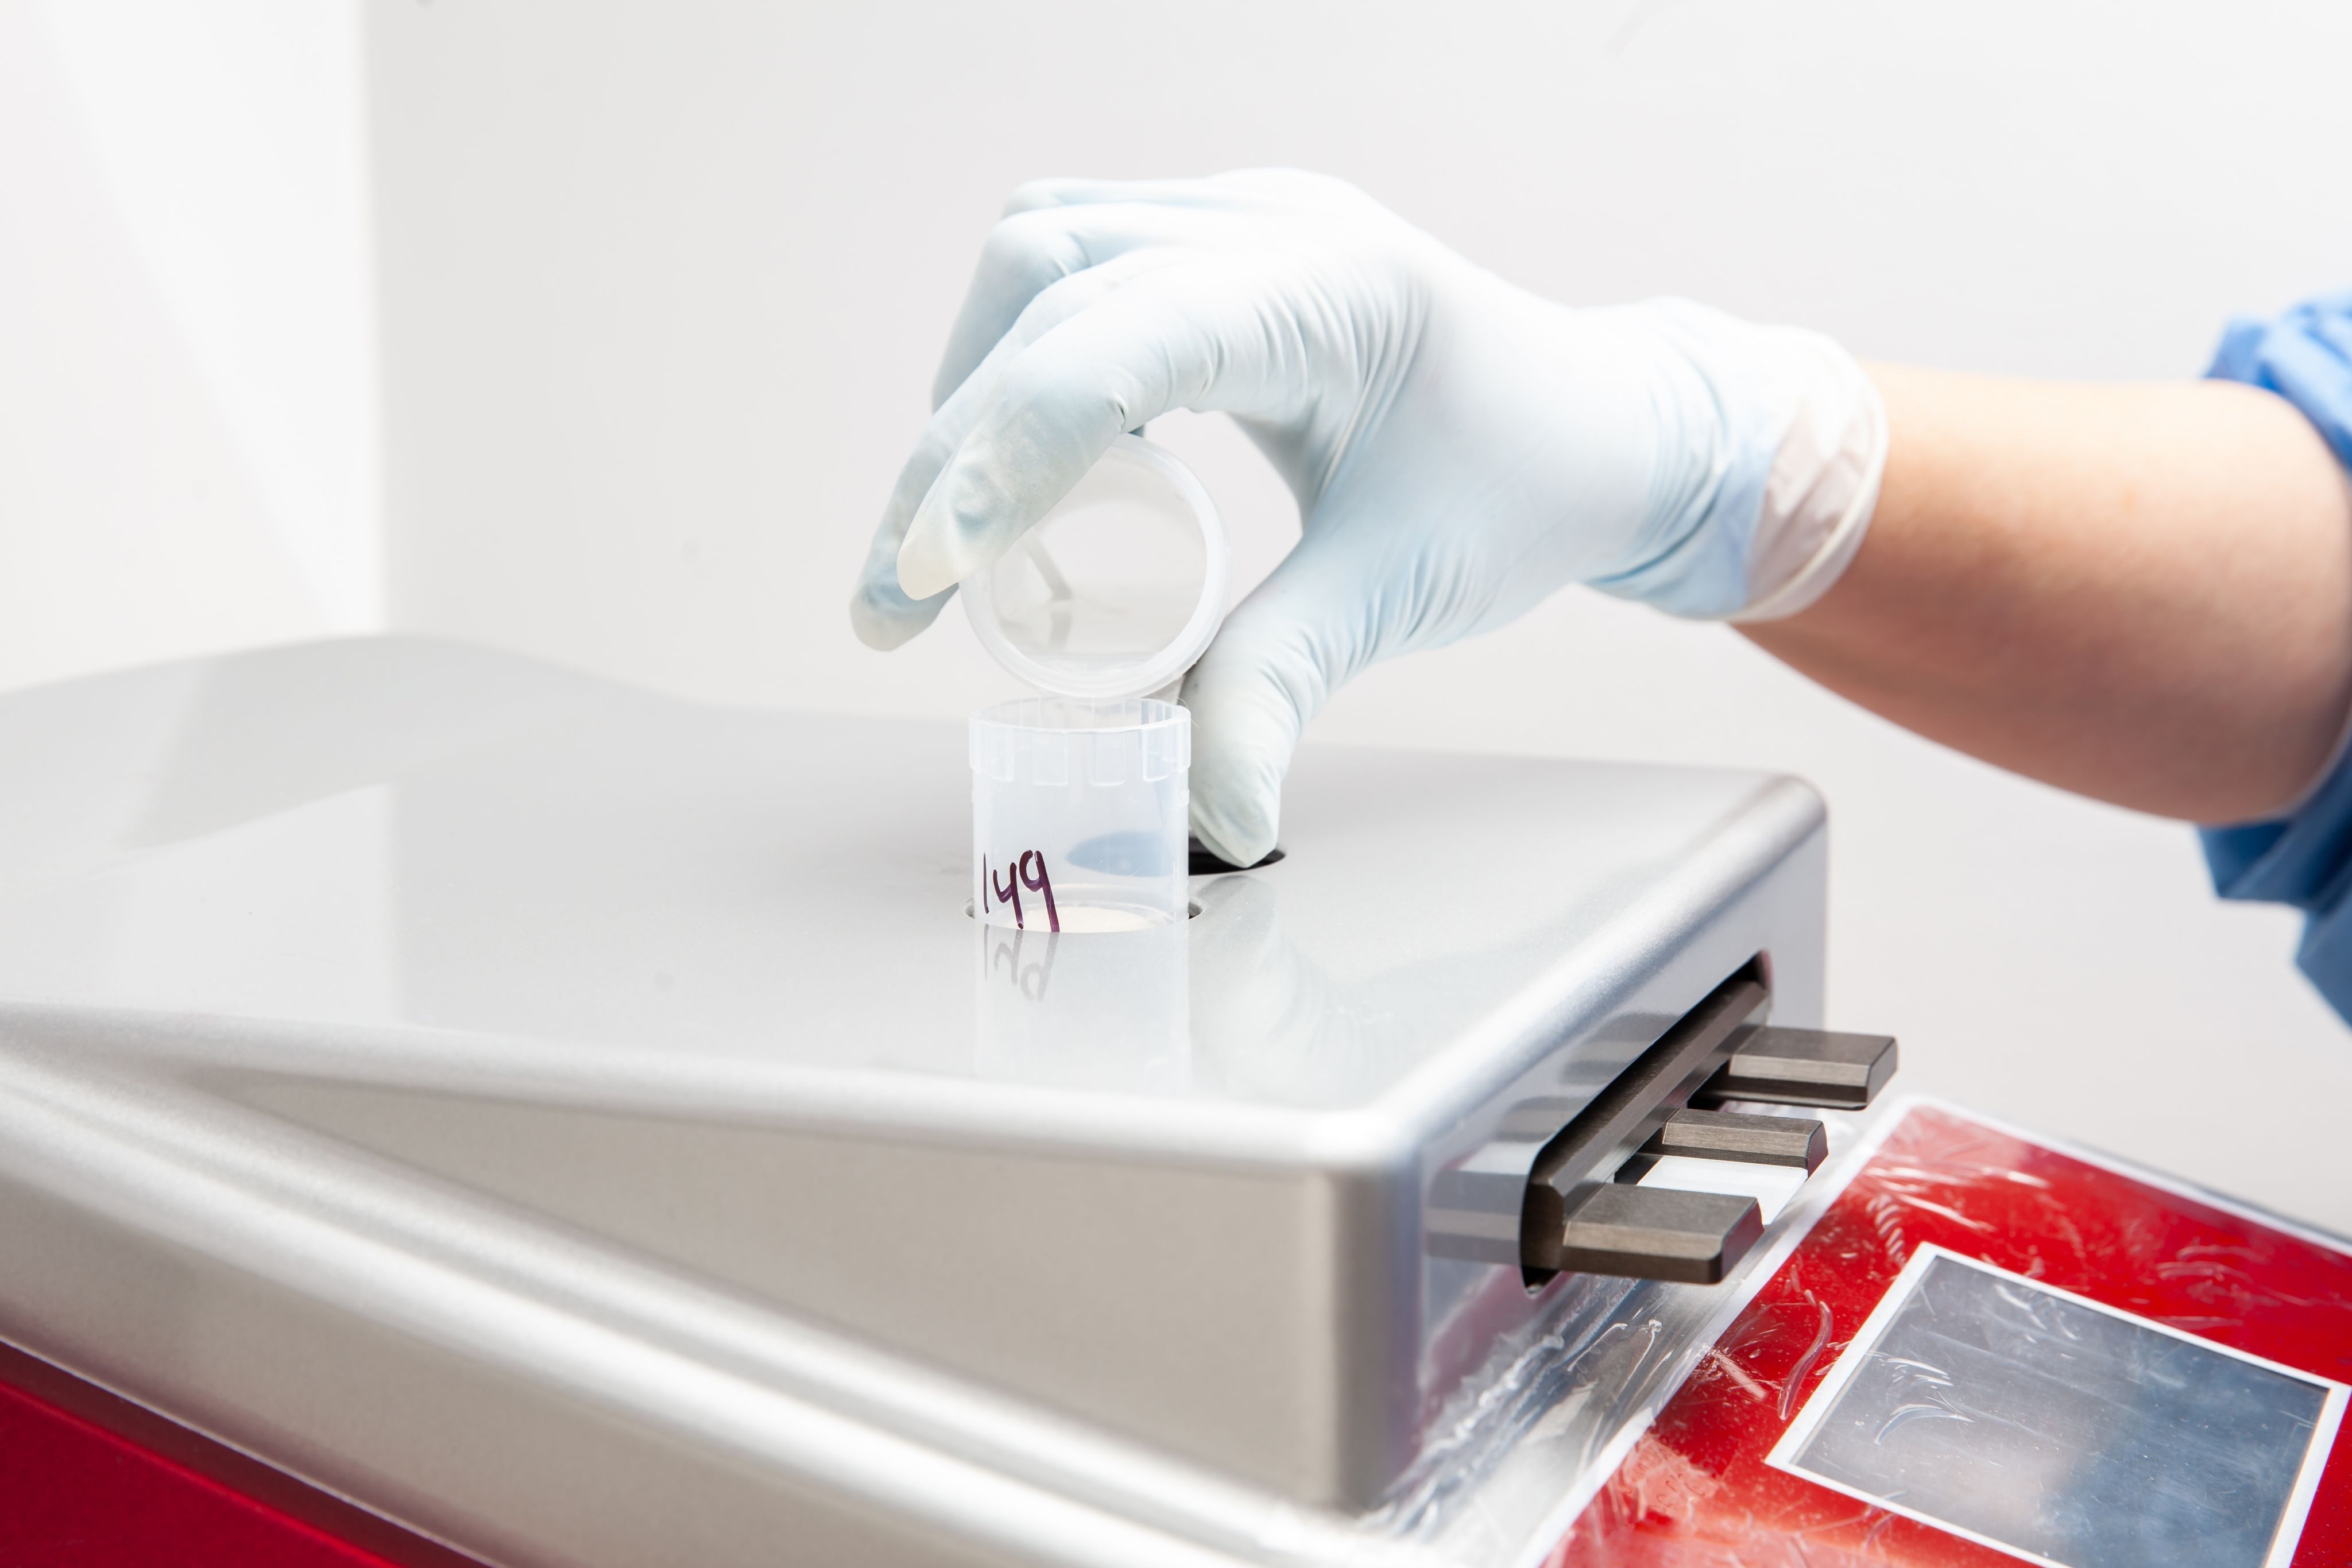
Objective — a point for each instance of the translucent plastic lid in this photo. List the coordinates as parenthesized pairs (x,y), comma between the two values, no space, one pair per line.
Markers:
(1117,591)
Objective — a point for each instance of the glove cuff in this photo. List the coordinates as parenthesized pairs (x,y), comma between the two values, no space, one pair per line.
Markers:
(1823,483)
(1773,443)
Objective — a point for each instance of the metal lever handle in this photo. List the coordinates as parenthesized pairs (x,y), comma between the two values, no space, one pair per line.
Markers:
(1804,1067)
(1756,1140)
(1692,1238)
(1658,1233)
(1582,1154)
(1582,1208)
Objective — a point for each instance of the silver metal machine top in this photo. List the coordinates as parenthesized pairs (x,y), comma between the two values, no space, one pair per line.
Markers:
(503,1097)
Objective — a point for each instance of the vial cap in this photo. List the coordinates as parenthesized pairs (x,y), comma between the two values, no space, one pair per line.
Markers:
(1117,591)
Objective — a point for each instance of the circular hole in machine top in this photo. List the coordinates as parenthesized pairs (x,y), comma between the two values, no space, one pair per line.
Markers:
(1192,906)
(1206,862)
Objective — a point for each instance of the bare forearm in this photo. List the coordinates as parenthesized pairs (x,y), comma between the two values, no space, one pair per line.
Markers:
(2141,593)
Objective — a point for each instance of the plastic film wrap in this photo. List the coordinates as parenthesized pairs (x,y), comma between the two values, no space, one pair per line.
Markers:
(1989,1350)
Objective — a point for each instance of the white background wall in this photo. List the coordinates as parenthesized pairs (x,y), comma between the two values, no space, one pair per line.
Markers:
(187,389)
(660,289)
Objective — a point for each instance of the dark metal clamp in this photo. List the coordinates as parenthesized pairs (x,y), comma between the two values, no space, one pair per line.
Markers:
(1583,1211)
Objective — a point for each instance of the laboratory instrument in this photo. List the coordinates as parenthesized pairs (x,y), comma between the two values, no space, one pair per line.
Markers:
(564,1125)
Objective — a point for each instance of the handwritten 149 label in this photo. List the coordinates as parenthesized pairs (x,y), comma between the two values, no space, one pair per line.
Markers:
(1015,879)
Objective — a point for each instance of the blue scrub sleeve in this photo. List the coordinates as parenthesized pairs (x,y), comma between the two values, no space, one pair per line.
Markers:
(2303,858)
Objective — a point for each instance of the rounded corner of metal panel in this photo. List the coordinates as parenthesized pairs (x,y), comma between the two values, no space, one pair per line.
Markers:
(1368,1141)
(1802,799)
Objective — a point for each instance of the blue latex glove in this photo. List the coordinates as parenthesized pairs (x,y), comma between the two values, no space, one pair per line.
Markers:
(1459,448)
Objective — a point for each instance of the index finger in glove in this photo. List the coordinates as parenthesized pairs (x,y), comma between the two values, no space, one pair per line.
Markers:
(1192,335)
(883,612)
(1035,248)
(1341,599)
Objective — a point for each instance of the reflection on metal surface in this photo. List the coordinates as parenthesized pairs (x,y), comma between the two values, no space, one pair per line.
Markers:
(1103,1010)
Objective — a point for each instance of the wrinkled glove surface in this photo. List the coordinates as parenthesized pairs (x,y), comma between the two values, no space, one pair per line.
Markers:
(1459,448)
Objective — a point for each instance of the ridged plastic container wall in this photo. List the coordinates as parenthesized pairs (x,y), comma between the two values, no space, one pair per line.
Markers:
(1078,814)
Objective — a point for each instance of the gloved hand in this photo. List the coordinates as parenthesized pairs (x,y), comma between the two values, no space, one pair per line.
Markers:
(1459,447)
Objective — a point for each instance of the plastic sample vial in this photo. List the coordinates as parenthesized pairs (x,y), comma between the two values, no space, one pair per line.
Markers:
(1079,797)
